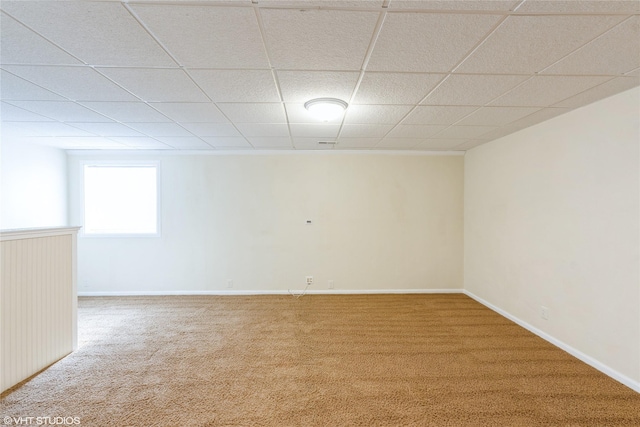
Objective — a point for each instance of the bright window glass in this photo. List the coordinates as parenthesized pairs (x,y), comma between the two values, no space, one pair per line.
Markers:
(120,199)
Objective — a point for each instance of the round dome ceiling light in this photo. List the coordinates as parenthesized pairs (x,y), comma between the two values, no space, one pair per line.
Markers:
(326,109)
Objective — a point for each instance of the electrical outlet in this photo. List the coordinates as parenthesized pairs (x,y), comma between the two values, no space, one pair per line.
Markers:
(309,280)
(544,312)
(229,283)
(330,284)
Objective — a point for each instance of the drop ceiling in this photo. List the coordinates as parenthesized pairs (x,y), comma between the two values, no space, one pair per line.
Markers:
(234,75)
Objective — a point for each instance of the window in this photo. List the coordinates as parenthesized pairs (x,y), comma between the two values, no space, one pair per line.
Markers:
(121,199)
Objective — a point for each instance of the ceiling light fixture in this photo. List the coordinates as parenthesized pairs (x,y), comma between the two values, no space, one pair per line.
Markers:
(326,109)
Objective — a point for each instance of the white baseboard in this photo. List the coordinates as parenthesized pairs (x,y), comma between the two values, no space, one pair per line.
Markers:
(632,384)
(269,292)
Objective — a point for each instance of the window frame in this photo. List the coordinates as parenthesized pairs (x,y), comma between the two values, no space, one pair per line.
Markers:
(122,163)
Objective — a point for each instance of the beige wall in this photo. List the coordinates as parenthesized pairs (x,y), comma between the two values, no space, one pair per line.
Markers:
(552,219)
(379,221)
(33,186)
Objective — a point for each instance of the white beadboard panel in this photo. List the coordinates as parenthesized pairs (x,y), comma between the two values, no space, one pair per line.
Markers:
(38,301)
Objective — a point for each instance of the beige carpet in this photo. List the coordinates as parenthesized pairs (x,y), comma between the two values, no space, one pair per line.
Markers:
(377,360)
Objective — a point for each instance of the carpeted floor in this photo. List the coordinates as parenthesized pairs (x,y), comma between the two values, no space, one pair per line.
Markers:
(349,360)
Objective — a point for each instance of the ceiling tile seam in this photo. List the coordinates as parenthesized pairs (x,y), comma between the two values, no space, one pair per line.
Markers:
(150,33)
(44,38)
(631,71)
(35,84)
(586,44)
(274,75)
(450,72)
(11,102)
(554,105)
(518,6)
(382,16)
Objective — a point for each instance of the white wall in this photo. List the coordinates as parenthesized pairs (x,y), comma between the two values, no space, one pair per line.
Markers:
(33,186)
(379,221)
(552,219)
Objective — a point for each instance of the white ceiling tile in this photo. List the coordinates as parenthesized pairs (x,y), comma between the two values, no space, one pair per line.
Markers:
(597,93)
(237,85)
(106,129)
(395,88)
(11,113)
(143,142)
(415,131)
(528,44)
(351,143)
(485,5)
(314,130)
(155,84)
(227,141)
(634,73)
(254,113)
(159,129)
(205,36)
(102,32)
(441,144)
(300,141)
(296,113)
(264,129)
(73,142)
(472,143)
(376,114)
(542,91)
(472,89)
(318,39)
(270,142)
(44,129)
(64,111)
(323,3)
(76,83)
(19,45)
(364,131)
(464,132)
(312,146)
(302,86)
(537,117)
(129,112)
(193,112)
(437,115)
(185,142)
(16,88)
(211,129)
(498,132)
(573,6)
(398,143)
(496,116)
(438,41)
(615,52)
